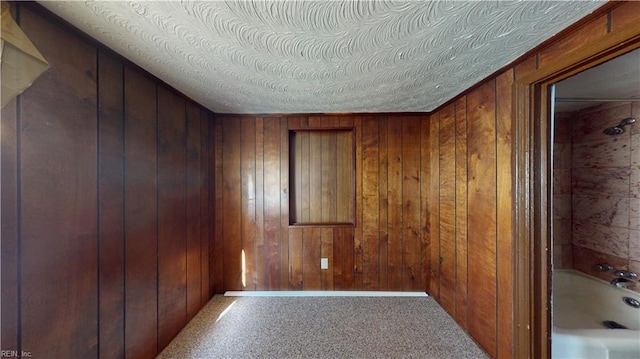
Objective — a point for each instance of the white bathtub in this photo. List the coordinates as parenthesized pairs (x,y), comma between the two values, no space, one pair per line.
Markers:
(580,304)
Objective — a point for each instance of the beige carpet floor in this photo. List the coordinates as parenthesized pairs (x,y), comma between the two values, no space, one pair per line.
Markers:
(322,327)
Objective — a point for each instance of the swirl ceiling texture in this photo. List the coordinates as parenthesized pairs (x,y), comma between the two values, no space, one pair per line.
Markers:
(321,56)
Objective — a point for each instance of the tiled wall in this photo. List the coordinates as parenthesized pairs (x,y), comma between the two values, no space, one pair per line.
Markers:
(562,251)
(601,209)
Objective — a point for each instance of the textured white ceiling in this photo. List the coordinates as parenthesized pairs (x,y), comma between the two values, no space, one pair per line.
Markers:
(321,56)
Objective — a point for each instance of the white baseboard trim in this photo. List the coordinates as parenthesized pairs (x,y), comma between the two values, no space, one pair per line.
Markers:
(319,293)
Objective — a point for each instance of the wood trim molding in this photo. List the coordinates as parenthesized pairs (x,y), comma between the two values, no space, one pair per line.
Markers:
(320,129)
(522,221)
(531,179)
(614,44)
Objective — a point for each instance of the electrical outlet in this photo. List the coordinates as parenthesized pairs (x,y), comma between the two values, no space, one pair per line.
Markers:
(324,263)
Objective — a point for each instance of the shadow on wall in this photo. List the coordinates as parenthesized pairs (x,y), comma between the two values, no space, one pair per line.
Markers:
(596,206)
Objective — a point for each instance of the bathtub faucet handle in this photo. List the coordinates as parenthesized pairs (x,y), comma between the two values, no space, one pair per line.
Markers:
(602,267)
(626,274)
(620,282)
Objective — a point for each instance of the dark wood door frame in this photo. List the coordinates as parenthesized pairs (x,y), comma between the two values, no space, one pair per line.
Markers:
(532,136)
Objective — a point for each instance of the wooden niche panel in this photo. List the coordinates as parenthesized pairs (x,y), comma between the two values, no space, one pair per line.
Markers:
(321,176)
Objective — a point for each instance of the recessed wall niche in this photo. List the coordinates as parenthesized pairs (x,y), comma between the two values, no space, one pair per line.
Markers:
(322,176)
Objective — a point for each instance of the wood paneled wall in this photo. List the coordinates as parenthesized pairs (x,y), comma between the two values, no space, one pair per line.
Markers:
(388,247)
(471,200)
(105,205)
(471,204)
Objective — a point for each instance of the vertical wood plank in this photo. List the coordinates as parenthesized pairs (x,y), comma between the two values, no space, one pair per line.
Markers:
(315,177)
(395,268)
(447,208)
(346,121)
(338,171)
(140,213)
(217,249)
(461,211)
(343,239)
(312,243)
(272,235)
(284,203)
(357,231)
(349,250)
(304,122)
(259,266)
(383,222)
(329,181)
(231,197)
(316,122)
(481,133)
(338,260)
(504,94)
(425,224)
(305,176)
(111,205)
(343,244)
(194,211)
(248,200)
(370,204)
(434,209)
(206,201)
(295,177)
(172,226)
(344,184)
(58,198)
(213,183)
(411,203)
(9,284)
(326,251)
(295,259)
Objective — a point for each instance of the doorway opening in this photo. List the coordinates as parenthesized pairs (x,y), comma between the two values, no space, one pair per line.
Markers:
(532,137)
(595,195)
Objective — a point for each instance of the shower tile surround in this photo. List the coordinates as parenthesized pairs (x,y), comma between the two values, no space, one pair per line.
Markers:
(596,205)
(562,252)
